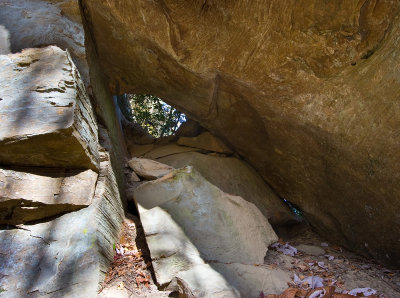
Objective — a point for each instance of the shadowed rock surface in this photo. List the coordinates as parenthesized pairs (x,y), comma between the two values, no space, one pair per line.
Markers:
(307,92)
(205,141)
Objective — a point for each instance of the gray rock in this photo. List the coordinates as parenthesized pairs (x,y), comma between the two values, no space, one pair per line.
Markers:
(65,257)
(171,250)
(4,41)
(39,23)
(203,281)
(223,228)
(47,118)
(250,280)
(235,176)
(177,262)
(30,194)
(149,169)
(311,249)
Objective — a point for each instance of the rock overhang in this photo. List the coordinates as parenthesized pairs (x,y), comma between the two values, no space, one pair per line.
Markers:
(305,93)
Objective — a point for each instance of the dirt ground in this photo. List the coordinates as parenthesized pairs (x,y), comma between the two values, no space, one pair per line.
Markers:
(338,267)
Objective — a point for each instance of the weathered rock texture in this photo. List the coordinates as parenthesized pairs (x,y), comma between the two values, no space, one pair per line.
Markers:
(306,91)
(235,177)
(149,169)
(222,227)
(47,118)
(4,41)
(167,150)
(65,257)
(204,242)
(205,141)
(39,23)
(29,194)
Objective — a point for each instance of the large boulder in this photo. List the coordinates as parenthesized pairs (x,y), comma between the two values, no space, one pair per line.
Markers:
(177,262)
(222,227)
(67,256)
(307,92)
(250,280)
(204,242)
(149,169)
(236,177)
(30,194)
(47,117)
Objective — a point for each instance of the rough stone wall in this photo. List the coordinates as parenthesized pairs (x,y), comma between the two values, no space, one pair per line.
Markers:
(58,128)
(306,91)
(39,23)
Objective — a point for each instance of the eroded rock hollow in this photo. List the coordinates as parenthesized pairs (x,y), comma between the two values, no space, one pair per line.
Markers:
(306,91)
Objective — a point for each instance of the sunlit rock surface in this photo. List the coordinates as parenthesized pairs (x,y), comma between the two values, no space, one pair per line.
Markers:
(236,177)
(39,23)
(29,194)
(306,91)
(223,227)
(204,242)
(47,118)
(67,256)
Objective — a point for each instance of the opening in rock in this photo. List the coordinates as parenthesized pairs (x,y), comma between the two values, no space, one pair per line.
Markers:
(151,113)
(296,210)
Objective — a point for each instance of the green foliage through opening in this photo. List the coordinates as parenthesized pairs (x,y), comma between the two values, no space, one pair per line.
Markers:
(153,114)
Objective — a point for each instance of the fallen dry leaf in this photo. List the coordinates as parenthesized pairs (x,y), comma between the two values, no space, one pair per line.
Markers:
(121,286)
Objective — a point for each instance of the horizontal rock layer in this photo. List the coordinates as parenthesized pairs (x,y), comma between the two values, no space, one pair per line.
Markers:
(67,256)
(47,118)
(28,194)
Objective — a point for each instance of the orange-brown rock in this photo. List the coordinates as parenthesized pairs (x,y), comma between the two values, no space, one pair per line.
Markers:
(306,91)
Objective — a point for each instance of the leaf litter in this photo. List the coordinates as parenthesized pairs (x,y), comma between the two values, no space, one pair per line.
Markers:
(130,270)
(335,274)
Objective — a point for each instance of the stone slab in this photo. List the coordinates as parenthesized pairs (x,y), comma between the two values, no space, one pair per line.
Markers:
(29,194)
(223,228)
(67,256)
(47,118)
(235,176)
(149,169)
(167,150)
(250,280)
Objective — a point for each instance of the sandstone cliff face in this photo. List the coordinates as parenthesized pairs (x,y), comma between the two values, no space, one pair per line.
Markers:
(306,91)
